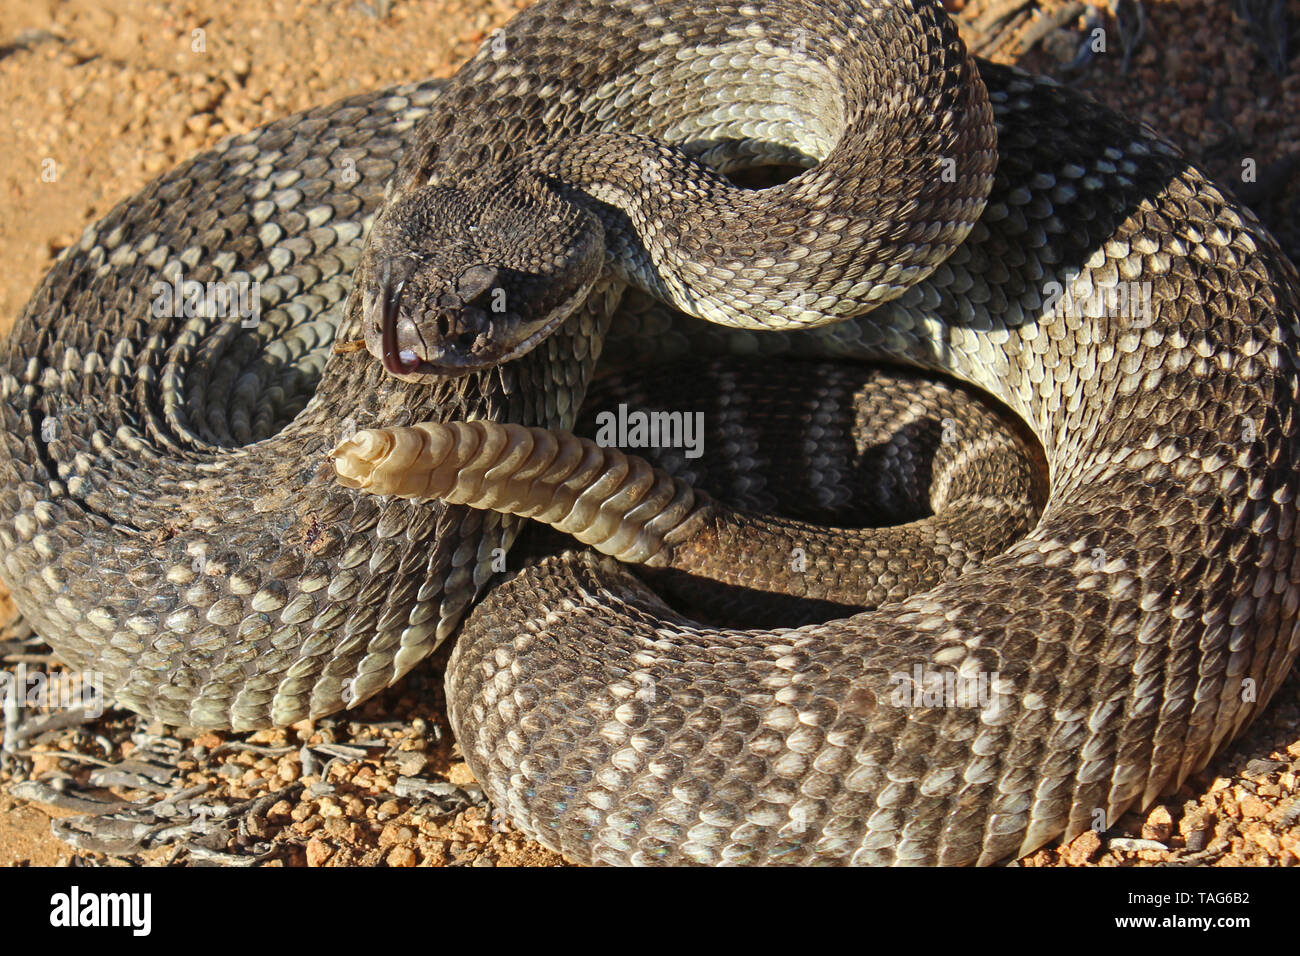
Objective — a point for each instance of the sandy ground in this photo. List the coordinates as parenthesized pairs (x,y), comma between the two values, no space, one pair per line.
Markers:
(99,96)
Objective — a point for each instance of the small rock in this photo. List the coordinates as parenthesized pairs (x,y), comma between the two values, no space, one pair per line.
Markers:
(402,856)
(202,100)
(345,831)
(1159,825)
(308,826)
(412,763)
(1082,848)
(1264,838)
(45,763)
(394,834)
(1252,807)
(318,852)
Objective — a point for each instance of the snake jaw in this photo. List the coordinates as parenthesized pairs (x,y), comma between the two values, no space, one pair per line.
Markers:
(488,350)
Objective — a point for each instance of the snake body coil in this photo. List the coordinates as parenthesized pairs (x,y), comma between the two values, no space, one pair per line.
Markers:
(169,515)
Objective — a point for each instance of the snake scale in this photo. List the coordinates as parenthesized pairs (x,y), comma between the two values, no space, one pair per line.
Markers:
(171,519)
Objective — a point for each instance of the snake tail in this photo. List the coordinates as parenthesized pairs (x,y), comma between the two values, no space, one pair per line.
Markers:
(615,502)
(630,510)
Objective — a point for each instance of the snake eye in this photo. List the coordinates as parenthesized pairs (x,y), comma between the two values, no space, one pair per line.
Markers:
(476,280)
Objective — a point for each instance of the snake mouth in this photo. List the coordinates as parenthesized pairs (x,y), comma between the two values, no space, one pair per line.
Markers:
(451,365)
(409,367)
(516,338)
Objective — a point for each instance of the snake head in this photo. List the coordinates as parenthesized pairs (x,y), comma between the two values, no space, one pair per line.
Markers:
(458,279)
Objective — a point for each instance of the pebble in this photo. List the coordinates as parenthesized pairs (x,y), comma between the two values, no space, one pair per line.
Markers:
(402,856)
(394,833)
(1252,807)
(308,826)
(318,852)
(1083,848)
(1158,826)
(343,830)
(412,764)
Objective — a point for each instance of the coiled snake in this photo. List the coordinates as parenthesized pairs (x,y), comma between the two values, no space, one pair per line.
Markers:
(171,518)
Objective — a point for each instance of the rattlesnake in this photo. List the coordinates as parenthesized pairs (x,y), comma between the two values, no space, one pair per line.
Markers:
(171,520)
